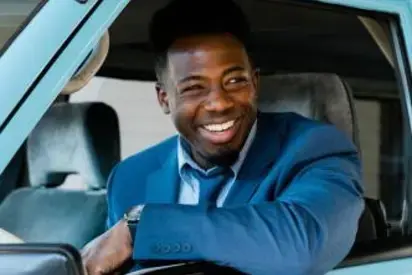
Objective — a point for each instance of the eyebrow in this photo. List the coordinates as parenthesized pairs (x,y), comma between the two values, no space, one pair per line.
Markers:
(233,69)
(190,78)
(198,77)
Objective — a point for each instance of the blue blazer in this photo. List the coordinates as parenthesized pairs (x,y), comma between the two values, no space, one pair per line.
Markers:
(293,209)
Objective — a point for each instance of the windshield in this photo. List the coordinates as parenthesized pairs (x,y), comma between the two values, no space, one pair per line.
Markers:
(13,15)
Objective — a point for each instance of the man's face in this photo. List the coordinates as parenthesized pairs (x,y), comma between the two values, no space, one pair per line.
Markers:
(209,88)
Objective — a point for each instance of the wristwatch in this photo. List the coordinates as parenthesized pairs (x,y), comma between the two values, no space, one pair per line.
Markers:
(132,218)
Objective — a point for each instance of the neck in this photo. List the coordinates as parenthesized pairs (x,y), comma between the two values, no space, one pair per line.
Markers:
(224,159)
(201,161)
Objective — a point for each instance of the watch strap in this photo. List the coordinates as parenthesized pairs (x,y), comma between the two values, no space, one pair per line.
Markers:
(132,218)
(132,228)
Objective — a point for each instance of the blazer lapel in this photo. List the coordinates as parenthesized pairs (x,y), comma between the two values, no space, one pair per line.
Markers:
(164,184)
(259,160)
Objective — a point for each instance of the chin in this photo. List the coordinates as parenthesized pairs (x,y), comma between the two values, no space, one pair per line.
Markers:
(224,157)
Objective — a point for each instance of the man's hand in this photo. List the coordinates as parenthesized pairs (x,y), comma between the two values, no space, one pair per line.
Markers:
(108,252)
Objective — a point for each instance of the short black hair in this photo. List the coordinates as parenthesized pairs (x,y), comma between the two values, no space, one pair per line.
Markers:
(183,18)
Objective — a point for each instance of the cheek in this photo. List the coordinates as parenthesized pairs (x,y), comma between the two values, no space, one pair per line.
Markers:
(184,114)
(252,95)
(246,99)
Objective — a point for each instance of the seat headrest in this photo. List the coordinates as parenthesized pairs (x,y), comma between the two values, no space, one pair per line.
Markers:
(90,68)
(324,97)
(80,139)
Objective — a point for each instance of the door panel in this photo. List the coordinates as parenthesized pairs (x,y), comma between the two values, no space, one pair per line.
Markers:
(380,257)
(396,267)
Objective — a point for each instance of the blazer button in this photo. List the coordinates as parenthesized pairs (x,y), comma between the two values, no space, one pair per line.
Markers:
(166,249)
(157,248)
(176,248)
(186,248)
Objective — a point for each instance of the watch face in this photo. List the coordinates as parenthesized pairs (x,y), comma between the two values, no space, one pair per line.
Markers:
(133,215)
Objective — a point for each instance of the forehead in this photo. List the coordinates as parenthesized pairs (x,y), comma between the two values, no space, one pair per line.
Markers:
(208,54)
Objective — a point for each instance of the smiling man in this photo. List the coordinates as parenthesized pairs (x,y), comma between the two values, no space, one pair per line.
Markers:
(260,193)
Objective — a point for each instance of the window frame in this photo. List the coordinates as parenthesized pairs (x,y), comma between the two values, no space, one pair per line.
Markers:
(77,27)
(19,76)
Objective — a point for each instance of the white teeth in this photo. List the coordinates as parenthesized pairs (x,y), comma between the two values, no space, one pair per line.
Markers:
(220,127)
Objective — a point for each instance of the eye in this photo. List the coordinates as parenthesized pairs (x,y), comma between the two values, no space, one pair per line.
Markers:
(193,88)
(236,82)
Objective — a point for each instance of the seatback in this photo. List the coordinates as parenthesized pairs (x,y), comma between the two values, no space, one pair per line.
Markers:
(9,178)
(324,97)
(71,139)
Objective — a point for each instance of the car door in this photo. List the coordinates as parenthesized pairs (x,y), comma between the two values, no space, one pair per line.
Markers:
(42,45)
(38,62)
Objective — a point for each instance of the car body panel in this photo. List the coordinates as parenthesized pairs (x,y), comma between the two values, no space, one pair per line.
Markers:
(396,267)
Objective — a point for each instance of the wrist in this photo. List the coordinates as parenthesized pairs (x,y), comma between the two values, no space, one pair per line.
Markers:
(126,232)
(131,219)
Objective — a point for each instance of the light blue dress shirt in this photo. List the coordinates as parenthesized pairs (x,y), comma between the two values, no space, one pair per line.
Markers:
(189,186)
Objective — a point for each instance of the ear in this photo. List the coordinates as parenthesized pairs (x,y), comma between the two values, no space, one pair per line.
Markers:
(256,79)
(162,98)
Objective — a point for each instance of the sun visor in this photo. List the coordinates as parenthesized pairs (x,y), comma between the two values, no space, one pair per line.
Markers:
(90,67)
(381,37)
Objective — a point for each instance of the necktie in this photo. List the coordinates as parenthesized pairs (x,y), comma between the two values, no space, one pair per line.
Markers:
(211,184)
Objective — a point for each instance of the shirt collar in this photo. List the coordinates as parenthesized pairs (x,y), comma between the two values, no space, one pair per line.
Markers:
(184,158)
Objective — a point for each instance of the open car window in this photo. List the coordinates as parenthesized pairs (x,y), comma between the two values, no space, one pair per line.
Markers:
(367,51)
(359,46)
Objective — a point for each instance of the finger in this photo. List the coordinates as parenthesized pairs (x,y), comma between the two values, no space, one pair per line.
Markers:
(96,270)
(85,270)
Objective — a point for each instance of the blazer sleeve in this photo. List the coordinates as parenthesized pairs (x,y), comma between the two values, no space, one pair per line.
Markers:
(309,229)
(111,215)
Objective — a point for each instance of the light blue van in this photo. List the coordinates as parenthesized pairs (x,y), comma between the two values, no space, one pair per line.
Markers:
(343,62)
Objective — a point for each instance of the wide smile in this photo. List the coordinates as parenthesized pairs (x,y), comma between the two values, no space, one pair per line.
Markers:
(220,133)
(220,127)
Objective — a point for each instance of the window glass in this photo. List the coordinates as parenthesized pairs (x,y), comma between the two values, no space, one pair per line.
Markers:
(126,84)
(383,153)
(142,122)
(13,15)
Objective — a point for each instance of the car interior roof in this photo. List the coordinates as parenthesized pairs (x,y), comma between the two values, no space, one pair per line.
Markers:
(286,38)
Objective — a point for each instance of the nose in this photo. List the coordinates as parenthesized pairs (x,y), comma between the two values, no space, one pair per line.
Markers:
(218,100)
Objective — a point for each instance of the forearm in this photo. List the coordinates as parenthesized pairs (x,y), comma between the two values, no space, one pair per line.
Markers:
(308,229)
(267,238)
